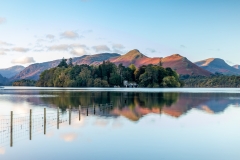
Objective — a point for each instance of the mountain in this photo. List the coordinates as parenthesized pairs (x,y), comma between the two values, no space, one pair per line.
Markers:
(11,71)
(3,80)
(136,58)
(214,65)
(237,66)
(180,64)
(34,70)
(94,59)
(183,66)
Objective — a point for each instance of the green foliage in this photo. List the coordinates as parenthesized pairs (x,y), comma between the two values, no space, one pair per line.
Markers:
(217,81)
(24,82)
(63,63)
(157,76)
(107,75)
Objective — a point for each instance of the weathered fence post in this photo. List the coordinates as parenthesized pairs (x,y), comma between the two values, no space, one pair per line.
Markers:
(87,110)
(45,120)
(58,118)
(30,125)
(69,115)
(79,112)
(11,129)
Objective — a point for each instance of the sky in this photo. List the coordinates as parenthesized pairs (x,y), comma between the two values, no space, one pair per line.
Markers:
(44,30)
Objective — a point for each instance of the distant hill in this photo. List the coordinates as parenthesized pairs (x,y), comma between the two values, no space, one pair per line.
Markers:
(214,65)
(11,71)
(180,64)
(3,80)
(183,66)
(237,66)
(34,70)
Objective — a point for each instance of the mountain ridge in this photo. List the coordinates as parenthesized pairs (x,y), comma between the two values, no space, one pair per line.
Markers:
(217,65)
(34,70)
(11,71)
(179,63)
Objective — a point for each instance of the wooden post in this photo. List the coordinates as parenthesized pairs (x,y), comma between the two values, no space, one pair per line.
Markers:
(79,112)
(45,120)
(87,111)
(58,118)
(69,115)
(11,129)
(30,125)
(94,109)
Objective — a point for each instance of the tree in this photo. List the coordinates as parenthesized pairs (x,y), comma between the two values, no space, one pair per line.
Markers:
(84,75)
(70,64)
(63,63)
(160,62)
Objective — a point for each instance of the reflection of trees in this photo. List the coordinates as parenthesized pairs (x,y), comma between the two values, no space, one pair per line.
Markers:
(136,104)
(119,99)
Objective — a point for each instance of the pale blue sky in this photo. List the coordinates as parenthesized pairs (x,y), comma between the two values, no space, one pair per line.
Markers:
(45,30)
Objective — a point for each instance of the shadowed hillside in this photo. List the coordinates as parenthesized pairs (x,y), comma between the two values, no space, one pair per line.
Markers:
(11,71)
(218,65)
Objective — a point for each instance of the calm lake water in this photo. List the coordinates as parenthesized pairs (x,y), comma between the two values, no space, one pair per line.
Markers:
(119,124)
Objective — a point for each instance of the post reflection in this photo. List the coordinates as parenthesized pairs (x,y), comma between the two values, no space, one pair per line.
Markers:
(67,106)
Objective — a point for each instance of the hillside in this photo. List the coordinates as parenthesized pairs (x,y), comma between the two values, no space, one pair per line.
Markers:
(178,63)
(3,80)
(136,58)
(236,66)
(33,71)
(218,65)
(183,66)
(11,71)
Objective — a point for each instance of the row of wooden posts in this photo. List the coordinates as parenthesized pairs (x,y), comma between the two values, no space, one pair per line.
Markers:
(45,120)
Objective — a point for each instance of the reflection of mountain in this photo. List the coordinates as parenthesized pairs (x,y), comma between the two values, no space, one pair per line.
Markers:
(132,105)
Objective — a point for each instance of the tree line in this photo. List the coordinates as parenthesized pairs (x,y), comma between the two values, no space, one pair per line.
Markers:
(107,74)
(24,82)
(215,81)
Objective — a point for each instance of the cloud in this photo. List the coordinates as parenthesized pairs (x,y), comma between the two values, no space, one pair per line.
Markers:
(183,46)
(70,35)
(151,50)
(101,48)
(20,49)
(50,36)
(2,20)
(87,31)
(5,43)
(75,49)
(118,46)
(60,47)
(38,50)
(2,53)
(23,60)
(79,49)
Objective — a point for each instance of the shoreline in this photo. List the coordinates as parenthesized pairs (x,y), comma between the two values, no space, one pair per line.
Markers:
(154,90)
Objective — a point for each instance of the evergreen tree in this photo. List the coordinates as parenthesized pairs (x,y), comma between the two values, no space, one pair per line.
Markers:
(63,63)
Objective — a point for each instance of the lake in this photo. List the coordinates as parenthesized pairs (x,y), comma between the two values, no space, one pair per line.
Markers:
(119,124)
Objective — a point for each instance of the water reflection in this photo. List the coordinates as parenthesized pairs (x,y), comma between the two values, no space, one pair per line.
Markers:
(136,105)
(190,121)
